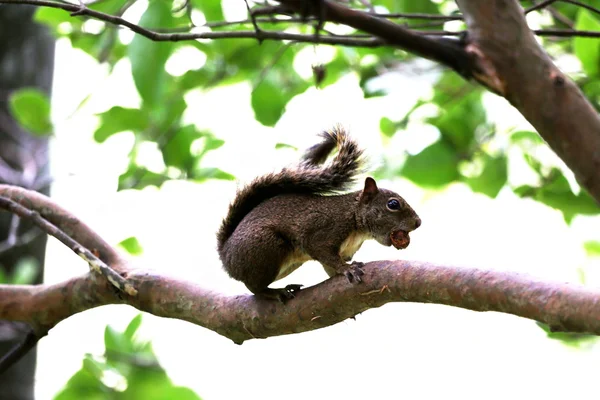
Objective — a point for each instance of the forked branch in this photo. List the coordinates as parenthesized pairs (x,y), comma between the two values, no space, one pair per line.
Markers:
(563,306)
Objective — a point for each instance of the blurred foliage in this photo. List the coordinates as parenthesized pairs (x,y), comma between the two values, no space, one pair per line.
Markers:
(31,109)
(469,149)
(575,340)
(24,273)
(127,370)
(132,246)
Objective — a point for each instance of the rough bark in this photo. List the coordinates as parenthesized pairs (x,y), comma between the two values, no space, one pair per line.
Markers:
(26,60)
(563,306)
(525,75)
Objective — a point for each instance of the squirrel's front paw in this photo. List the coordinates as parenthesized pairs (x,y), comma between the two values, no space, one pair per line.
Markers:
(354,272)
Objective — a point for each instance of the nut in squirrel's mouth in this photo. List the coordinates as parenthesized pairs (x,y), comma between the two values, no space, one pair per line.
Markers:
(400,239)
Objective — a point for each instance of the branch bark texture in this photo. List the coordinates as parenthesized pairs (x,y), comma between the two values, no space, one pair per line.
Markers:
(517,67)
(563,306)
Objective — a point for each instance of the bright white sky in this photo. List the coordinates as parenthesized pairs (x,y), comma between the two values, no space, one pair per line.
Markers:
(409,350)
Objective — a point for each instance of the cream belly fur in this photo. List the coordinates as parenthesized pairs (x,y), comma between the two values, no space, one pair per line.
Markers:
(348,248)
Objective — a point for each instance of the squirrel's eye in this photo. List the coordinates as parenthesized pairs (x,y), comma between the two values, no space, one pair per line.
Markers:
(393,204)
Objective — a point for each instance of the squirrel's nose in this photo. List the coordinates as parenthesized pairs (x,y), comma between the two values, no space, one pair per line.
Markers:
(417,223)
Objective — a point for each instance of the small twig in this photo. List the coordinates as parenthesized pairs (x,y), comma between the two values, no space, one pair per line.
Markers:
(582,5)
(566,33)
(253,19)
(419,16)
(94,262)
(538,6)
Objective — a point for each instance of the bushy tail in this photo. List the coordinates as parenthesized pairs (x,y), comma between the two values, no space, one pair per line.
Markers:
(309,177)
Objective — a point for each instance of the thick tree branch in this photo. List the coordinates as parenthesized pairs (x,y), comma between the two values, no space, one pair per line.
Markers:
(447,51)
(520,70)
(563,306)
(94,262)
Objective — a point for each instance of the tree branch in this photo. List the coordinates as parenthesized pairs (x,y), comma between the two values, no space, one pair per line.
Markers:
(520,70)
(444,50)
(175,37)
(563,306)
(94,262)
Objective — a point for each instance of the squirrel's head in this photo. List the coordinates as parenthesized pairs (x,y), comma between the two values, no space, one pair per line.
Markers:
(386,215)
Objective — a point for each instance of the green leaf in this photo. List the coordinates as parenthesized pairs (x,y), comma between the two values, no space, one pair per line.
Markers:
(493,176)
(212,143)
(592,248)
(174,110)
(148,58)
(285,146)
(202,174)
(210,8)
(132,246)
(116,341)
(387,126)
(587,49)
(462,112)
(556,193)
(195,78)
(119,119)
(155,385)
(31,108)
(26,271)
(133,327)
(53,17)
(435,166)
(576,340)
(268,103)
(526,136)
(525,191)
(137,177)
(533,162)
(177,151)
(85,383)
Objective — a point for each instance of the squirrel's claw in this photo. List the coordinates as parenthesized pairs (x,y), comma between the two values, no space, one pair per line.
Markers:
(293,289)
(354,272)
(288,292)
(281,294)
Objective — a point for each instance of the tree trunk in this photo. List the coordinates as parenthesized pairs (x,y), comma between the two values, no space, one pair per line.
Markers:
(26,60)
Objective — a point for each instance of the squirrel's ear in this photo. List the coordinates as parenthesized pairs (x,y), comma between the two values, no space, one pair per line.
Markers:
(370,190)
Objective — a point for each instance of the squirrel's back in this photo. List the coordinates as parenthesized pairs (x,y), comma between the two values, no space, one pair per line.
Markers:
(308,177)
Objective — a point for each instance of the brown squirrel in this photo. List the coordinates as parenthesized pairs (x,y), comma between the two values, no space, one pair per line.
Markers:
(281,220)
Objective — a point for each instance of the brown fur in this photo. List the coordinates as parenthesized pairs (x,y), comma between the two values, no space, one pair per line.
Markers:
(270,233)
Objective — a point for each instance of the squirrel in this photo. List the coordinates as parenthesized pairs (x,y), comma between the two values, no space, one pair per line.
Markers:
(283,219)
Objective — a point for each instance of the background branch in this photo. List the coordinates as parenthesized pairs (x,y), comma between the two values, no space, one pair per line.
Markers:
(554,105)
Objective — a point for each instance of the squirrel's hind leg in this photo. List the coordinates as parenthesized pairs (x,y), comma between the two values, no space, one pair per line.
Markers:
(266,255)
